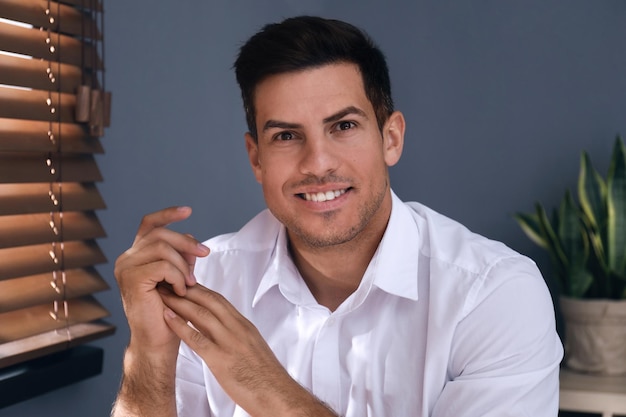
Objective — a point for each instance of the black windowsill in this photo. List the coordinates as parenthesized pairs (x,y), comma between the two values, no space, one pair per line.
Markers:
(27,380)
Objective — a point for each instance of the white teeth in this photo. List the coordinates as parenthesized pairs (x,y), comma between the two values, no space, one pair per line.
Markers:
(321,197)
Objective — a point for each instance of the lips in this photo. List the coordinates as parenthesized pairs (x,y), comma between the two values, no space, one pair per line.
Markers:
(323,196)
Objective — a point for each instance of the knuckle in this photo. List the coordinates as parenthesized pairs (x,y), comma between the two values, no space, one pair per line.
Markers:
(203,314)
(214,297)
(119,271)
(165,268)
(146,219)
(161,246)
(121,260)
(198,339)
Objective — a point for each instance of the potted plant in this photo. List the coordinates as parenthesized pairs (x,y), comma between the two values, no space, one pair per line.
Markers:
(586,242)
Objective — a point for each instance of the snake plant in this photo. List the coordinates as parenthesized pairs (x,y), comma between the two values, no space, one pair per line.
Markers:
(586,239)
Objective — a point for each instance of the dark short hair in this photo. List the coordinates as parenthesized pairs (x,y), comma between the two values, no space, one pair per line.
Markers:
(305,42)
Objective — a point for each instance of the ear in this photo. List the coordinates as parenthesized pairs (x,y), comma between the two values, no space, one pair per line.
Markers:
(253,155)
(393,138)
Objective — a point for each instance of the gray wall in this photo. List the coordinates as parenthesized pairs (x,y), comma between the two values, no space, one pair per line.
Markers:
(500,98)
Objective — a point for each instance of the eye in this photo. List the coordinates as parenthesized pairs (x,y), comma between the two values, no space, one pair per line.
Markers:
(345,125)
(283,136)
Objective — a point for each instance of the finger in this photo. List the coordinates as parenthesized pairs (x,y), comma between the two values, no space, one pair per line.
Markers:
(191,261)
(219,306)
(170,251)
(147,276)
(180,249)
(197,326)
(162,218)
(209,312)
(186,244)
(164,272)
(197,341)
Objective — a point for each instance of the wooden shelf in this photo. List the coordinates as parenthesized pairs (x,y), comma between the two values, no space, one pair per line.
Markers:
(605,395)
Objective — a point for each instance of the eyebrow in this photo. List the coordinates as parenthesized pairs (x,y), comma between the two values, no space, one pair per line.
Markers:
(276,124)
(345,112)
(271,124)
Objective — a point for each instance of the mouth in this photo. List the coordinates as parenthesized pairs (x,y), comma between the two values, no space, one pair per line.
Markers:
(323,196)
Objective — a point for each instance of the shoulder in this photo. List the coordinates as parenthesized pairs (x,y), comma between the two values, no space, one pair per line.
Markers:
(469,266)
(491,308)
(448,241)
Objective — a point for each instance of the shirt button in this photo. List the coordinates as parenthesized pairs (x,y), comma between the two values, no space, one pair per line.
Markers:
(331,321)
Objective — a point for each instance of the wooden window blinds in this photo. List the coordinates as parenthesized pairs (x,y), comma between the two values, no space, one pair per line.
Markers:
(53,109)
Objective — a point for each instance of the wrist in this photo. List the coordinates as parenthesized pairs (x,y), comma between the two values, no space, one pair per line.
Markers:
(295,401)
(161,356)
(148,384)
(309,405)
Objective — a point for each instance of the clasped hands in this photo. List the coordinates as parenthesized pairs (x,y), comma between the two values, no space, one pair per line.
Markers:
(164,304)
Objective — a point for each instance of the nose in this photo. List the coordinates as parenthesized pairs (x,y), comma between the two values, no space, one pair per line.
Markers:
(319,156)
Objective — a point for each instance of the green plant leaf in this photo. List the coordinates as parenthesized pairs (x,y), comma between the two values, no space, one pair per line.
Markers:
(572,234)
(529,224)
(597,244)
(586,241)
(558,258)
(573,239)
(580,281)
(616,204)
(591,193)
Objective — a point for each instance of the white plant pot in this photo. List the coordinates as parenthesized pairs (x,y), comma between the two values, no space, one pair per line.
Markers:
(595,335)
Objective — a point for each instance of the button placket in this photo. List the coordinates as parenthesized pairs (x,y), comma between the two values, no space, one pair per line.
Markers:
(326,365)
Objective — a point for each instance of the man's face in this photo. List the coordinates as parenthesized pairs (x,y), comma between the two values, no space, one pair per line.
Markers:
(321,158)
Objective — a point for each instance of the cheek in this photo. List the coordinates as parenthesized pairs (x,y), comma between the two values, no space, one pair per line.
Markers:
(370,163)
(271,181)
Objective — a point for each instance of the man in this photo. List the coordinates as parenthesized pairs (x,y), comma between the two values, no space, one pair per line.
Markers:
(339,299)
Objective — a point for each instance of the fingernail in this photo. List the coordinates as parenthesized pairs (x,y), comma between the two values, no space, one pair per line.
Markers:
(203,248)
(169,313)
(193,279)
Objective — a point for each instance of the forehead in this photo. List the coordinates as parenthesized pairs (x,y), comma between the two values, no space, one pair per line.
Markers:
(316,90)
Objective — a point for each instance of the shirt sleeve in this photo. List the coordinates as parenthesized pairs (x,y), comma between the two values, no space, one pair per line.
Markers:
(506,352)
(191,393)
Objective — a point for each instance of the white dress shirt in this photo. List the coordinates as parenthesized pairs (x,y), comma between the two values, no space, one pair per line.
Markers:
(444,323)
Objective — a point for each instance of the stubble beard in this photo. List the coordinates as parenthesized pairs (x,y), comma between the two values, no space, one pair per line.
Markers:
(336,237)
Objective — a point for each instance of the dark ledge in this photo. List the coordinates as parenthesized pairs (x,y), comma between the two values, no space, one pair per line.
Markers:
(29,379)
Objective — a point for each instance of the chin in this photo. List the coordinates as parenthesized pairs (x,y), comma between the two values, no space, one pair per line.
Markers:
(324,240)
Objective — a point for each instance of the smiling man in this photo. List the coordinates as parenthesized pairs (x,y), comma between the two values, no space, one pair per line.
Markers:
(322,161)
(339,299)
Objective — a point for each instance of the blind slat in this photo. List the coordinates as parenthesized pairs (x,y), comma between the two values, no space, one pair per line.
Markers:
(33,105)
(32,73)
(26,135)
(32,229)
(36,259)
(67,19)
(19,293)
(33,198)
(32,42)
(21,168)
(30,321)
(47,343)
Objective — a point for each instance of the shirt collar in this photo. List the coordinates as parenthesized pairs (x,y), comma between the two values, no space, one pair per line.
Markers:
(393,267)
(397,256)
(282,272)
